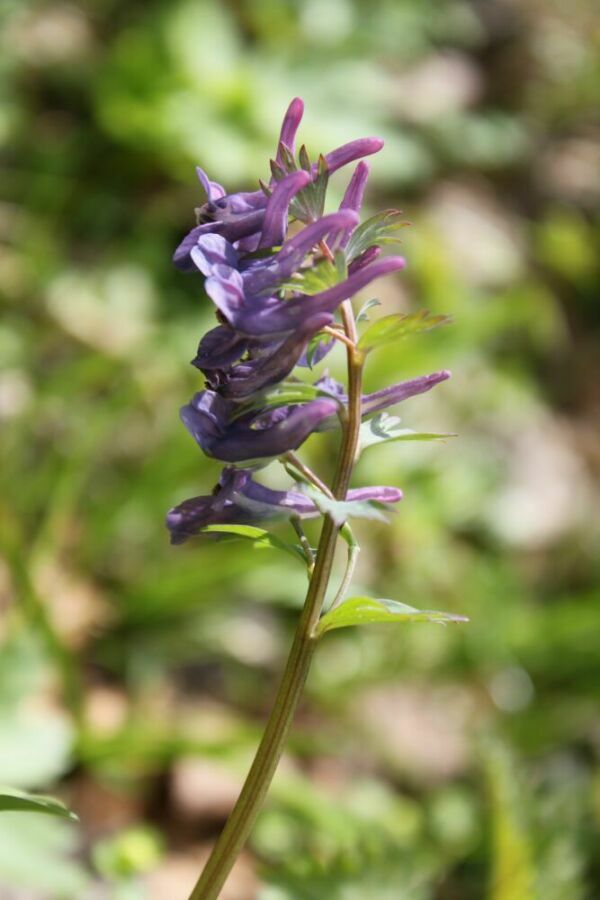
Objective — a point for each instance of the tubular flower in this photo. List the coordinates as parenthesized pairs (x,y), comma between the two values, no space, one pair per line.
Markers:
(211,421)
(248,216)
(238,500)
(380,400)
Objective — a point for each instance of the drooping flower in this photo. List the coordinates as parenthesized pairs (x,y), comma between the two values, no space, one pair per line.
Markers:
(212,422)
(264,362)
(240,500)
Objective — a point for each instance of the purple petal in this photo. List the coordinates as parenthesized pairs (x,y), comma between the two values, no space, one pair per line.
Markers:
(364,259)
(219,348)
(382,494)
(291,123)
(276,214)
(356,188)
(278,268)
(214,191)
(181,257)
(212,250)
(270,315)
(354,196)
(245,443)
(389,396)
(255,374)
(351,151)
(226,290)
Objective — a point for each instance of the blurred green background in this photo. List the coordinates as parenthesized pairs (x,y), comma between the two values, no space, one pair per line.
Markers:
(428,763)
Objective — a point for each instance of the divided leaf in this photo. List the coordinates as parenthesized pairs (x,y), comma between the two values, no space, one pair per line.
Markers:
(12,800)
(362,314)
(261,539)
(392,328)
(285,394)
(341,510)
(383,427)
(319,277)
(376,231)
(367,611)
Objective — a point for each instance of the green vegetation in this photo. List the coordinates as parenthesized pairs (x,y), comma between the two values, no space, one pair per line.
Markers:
(427,763)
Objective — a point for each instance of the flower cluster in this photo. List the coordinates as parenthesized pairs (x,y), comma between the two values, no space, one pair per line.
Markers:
(274,294)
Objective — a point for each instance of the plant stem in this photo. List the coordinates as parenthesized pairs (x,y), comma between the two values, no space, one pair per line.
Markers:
(244,814)
(353,551)
(307,472)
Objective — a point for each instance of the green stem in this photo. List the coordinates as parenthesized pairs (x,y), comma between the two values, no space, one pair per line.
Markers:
(244,814)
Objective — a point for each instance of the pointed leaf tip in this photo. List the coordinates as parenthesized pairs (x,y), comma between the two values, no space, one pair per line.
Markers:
(368,611)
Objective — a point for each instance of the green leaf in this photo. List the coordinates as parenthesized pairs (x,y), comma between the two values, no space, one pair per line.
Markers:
(341,510)
(285,394)
(323,275)
(376,231)
(309,203)
(383,427)
(12,800)
(314,345)
(367,611)
(261,539)
(397,326)
(362,315)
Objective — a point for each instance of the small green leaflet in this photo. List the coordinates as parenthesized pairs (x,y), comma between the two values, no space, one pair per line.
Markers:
(367,611)
(384,427)
(285,394)
(261,539)
(314,346)
(392,328)
(362,314)
(309,203)
(319,277)
(12,800)
(376,231)
(340,510)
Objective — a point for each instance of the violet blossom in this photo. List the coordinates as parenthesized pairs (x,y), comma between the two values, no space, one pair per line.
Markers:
(239,500)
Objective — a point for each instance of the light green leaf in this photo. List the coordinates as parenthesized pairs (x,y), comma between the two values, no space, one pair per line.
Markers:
(382,428)
(367,611)
(12,800)
(261,539)
(319,277)
(393,328)
(314,346)
(341,510)
(378,230)
(285,394)
(363,312)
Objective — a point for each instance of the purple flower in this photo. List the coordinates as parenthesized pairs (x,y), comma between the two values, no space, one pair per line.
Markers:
(212,422)
(264,363)
(250,219)
(238,499)
(252,315)
(379,400)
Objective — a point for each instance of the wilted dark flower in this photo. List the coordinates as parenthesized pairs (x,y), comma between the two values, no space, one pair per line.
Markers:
(265,362)
(240,500)
(212,422)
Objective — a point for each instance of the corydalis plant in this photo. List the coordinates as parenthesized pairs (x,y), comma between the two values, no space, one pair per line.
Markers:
(283,301)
